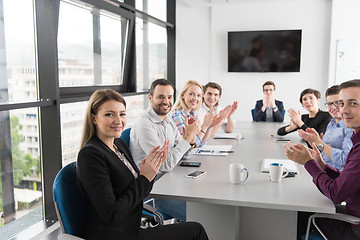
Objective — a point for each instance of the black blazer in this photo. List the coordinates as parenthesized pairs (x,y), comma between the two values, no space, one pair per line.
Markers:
(114,196)
(319,123)
(260,116)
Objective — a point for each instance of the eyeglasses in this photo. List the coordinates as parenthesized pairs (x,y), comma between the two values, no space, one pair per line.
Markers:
(268,90)
(335,104)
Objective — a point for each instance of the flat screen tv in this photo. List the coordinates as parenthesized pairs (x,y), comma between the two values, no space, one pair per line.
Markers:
(264,51)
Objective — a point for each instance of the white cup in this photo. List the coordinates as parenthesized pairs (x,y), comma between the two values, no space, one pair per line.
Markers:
(238,173)
(276,171)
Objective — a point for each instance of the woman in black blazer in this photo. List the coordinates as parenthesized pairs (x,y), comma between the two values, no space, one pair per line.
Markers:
(112,183)
(316,118)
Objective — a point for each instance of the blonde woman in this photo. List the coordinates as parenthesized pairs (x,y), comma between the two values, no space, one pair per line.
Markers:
(188,103)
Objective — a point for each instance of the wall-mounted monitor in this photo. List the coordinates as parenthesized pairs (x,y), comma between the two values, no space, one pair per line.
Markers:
(264,51)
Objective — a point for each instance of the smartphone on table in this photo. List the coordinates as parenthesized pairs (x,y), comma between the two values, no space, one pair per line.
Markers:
(190,164)
(196,174)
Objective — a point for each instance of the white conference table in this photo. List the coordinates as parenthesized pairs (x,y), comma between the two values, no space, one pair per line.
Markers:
(256,209)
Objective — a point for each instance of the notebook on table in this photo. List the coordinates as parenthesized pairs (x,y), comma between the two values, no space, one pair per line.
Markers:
(228,136)
(290,165)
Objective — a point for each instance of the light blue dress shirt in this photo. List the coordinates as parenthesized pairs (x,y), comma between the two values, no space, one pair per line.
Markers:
(337,136)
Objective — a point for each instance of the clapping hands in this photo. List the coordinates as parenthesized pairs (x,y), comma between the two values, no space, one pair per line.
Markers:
(295,117)
(310,135)
(301,154)
(151,164)
(192,127)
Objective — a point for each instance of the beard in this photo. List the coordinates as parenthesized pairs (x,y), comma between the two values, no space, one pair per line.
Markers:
(160,111)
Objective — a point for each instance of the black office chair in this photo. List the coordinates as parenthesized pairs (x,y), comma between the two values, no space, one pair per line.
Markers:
(336,216)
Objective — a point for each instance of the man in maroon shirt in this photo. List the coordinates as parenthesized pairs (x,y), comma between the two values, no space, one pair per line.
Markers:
(337,185)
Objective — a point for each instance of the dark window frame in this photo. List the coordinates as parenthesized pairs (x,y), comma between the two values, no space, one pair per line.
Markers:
(51,96)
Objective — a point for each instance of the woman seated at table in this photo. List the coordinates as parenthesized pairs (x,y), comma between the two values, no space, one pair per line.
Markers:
(316,118)
(113,185)
(189,101)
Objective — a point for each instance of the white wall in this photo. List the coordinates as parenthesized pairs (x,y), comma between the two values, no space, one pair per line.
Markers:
(345,26)
(192,43)
(201,47)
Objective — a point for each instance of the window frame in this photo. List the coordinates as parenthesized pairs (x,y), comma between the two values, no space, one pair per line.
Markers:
(51,96)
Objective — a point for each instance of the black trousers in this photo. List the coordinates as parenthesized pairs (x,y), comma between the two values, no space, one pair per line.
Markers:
(333,229)
(178,231)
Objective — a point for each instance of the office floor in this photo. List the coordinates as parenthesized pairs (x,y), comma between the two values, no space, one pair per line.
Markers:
(50,236)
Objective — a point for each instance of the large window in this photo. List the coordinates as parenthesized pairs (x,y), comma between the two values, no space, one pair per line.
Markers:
(20,182)
(21,186)
(156,8)
(53,56)
(72,121)
(151,55)
(17,67)
(91,49)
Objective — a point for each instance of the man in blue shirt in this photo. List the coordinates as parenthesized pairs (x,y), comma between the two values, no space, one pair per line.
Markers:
(335,144)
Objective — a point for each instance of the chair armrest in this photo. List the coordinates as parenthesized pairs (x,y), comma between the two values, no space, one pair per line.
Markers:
(158,217)
(152,200)
(336,216)
(339,216)
(65,236)
(149,208)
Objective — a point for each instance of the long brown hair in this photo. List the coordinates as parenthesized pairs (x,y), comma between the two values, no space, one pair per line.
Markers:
(98,98)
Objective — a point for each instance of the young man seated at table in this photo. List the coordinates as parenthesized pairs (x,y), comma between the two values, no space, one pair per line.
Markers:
(211,97)
(335,144)
(154,127)
(337,185)
(268,109)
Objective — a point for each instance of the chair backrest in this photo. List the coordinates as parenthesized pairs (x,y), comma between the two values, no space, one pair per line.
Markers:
(70,202)
(125,135)
(253,114)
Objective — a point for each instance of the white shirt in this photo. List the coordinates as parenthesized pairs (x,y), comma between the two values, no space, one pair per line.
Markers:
(151,131)
(203,110)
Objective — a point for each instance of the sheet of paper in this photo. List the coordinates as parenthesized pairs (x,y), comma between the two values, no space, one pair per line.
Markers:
(279,139)
(214,150)
(228,136)
(290,165)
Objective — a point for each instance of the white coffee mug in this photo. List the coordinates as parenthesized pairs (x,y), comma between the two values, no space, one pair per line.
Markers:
(276,171)
(238,173)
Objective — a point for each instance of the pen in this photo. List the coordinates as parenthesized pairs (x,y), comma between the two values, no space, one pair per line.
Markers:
(230,151)
(209,151)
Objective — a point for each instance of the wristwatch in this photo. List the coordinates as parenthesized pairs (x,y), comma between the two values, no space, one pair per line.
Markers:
(320,146)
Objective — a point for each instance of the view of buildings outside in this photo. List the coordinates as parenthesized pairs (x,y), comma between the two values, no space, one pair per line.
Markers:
(20,183)
(77,63)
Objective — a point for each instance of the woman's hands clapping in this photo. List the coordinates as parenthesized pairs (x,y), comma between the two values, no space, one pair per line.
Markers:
(150,165)
(295,117)
(295,120)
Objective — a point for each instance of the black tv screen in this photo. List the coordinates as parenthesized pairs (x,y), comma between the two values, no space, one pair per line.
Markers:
(264,51)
